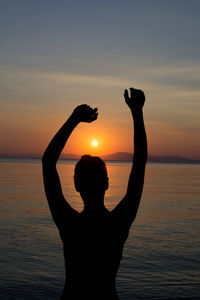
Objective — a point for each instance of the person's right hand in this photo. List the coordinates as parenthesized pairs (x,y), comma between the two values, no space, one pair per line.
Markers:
(136,99)
(84,113)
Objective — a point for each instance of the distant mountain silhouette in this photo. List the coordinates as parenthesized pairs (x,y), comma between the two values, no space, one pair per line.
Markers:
(124,156)
(117,156)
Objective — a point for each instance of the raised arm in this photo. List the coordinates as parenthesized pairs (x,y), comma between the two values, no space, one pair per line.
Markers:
(128,207)
(59,208)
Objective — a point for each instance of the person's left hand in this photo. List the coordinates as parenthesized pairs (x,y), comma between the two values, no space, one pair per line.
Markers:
(136,100)
(85,113)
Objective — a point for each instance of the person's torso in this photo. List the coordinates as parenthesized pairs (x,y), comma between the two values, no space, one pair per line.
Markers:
(93,249)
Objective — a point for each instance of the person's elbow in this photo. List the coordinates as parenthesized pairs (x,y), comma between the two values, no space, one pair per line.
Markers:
(140,159)
(47,160)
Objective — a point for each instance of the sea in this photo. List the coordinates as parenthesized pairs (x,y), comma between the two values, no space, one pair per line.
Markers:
(161,258)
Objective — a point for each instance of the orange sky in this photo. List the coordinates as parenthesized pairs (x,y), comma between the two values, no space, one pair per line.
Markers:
(28,131)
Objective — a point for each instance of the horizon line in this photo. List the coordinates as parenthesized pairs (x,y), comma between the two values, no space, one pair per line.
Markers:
(71,156)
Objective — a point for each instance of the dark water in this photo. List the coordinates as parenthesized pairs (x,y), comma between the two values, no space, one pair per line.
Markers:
(161,257)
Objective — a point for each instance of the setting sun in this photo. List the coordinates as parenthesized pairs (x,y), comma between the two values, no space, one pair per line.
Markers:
(95,143)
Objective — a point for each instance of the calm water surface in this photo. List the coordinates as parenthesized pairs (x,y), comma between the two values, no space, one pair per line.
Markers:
(161,258)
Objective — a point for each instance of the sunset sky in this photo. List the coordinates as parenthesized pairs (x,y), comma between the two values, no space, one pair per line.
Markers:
(55,55)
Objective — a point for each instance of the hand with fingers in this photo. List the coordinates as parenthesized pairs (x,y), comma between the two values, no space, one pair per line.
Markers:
(84,113)
(136,99)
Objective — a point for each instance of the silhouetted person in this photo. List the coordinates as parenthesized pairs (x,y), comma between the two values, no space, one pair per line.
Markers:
(93,240)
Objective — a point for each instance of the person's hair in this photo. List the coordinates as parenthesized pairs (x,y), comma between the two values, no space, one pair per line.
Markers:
(90,174)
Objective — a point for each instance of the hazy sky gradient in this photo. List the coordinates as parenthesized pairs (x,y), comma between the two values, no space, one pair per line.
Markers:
(55,55)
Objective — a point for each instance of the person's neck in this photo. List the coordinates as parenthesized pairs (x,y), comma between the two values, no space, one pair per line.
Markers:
(93,203)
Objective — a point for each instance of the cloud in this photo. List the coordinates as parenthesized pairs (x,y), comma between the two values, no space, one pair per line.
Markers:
(84,79)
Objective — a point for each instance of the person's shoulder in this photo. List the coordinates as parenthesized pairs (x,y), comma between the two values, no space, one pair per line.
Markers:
(70,219)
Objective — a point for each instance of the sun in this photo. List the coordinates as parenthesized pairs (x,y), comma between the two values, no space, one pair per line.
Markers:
(95,143)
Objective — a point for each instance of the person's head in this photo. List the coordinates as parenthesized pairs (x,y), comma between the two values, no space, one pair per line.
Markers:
(90,175)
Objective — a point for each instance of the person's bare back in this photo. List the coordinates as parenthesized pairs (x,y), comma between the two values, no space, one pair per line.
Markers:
(93,249)
(93,240)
